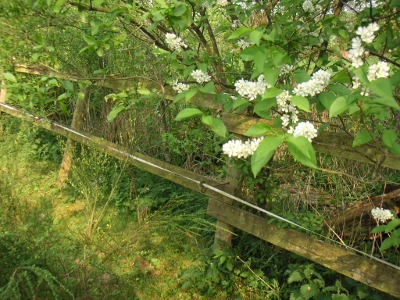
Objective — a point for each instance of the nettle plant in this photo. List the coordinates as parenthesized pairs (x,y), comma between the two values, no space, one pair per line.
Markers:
(301,65)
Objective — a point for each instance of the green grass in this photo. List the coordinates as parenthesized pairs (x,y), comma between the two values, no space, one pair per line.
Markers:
(115,232)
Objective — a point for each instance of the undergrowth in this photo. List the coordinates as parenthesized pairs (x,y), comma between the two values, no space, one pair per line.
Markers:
(116,232)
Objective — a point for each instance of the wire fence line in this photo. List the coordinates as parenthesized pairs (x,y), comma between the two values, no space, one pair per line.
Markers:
(210,188)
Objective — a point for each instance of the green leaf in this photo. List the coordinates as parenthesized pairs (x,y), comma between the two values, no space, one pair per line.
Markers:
(59,4)
(209,88)
(389,243)
(239,32)
(91,41)
(381,87)
(240,103)
(100,52)
(338,106)
(258,129)
(392,225)
(389,102)
(380,228)
(216,125)
(9,77)
(342,77)
(301,76)
(389,137)
(326,99)
(114,112)
(302,150)
(271,76)
(309,290)
(362,138)
(296,276)
(188,113)
(271,92)
(262,108)
(68,85)
(264,152)
(143,91)
(301,102)
(255,36)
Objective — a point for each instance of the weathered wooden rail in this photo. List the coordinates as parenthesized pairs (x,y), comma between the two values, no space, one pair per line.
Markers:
(373,273)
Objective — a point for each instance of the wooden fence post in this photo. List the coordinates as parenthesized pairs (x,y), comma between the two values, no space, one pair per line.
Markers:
(224,231)
(77,123)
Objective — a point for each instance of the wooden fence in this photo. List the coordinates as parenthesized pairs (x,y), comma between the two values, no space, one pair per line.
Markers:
(379,275)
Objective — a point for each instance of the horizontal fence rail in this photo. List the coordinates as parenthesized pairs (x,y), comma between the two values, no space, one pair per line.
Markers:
(370,272)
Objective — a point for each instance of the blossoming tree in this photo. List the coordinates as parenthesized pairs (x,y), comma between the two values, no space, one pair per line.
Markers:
(301,65)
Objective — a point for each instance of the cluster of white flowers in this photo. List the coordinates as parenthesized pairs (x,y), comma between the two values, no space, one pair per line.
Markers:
(174,42)
(378,70)
(308,6)
(287,108)
(381,215)
(222,2)
(286,69)
(238,149)
(244,44)
(200,76)
(179,86)
(318,82)
(305,129)
(356,52)
(367,33)
(251,89)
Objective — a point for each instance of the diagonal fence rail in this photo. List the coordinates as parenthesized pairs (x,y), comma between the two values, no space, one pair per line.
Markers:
(379,275)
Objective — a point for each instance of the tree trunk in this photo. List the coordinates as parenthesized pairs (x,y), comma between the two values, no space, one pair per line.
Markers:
(77,123)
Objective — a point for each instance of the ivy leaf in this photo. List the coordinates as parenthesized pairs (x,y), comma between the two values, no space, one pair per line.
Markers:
(338,106)
(302,150)
(258,129)
(188,113)
(362,138)
(264,152)
(216,125)
(301,102)
(9,77)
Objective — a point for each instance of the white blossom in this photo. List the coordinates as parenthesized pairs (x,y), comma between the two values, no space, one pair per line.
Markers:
(222,2)
(356,52)
(174,42)
(238,149)
(286,69)
(318,82)
(287,108)
(200,76)
(305,129)
(308,6)
(179,86)
(378,70)
(244,44)
(381,215)
(251,89)
(367,33)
